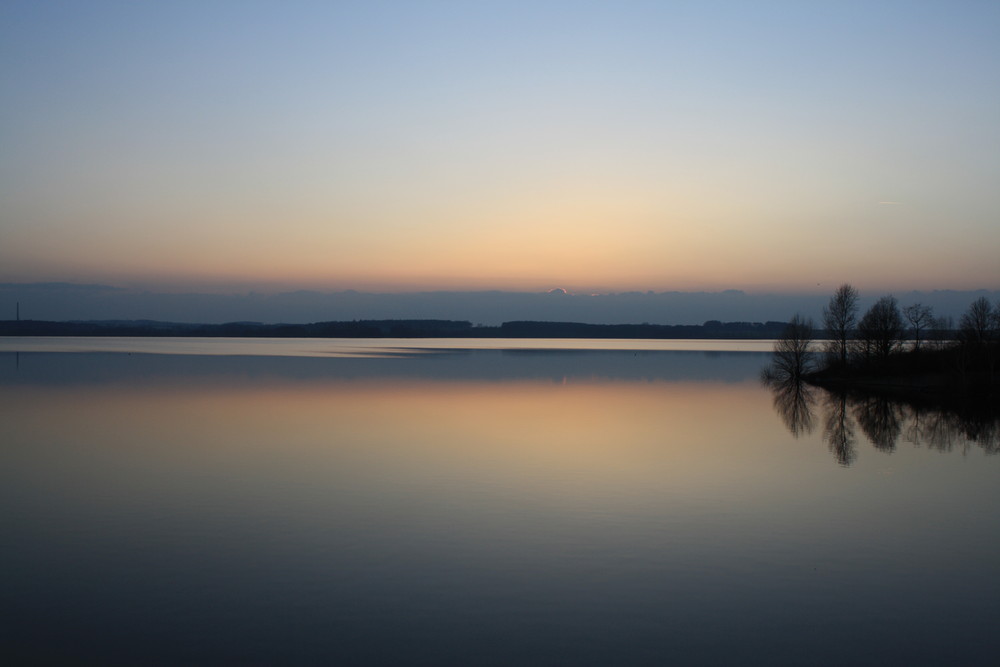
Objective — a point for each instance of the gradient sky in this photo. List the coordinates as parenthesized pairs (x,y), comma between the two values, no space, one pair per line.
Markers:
(594,146)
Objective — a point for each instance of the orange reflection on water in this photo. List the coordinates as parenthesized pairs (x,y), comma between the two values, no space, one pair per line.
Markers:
(598,440)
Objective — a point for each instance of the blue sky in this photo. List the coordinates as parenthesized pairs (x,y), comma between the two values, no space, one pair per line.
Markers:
(405,146)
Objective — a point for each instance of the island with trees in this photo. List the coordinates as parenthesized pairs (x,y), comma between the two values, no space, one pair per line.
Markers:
(904,351)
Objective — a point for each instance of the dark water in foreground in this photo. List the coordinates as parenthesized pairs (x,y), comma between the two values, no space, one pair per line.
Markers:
(481,507)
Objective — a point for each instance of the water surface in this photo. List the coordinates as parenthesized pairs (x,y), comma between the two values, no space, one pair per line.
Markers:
(476,506)
(359,347)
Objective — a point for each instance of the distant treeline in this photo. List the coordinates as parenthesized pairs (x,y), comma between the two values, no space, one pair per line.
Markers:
(394,329)
(710,329)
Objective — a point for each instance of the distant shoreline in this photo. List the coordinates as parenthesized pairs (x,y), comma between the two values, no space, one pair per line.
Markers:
(401,328)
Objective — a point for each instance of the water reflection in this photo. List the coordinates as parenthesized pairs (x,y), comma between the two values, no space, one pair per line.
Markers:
(85,369)
(880,419)
(838,430)
(883,420)
(482,507)
(793,401)
(944,431)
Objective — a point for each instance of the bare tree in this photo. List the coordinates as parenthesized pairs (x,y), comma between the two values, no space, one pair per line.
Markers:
(920,317)
(839,319)
(978,331)
(793,356)
(978,323)
(880,330)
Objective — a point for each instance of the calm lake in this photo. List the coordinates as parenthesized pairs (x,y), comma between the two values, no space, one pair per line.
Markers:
(476,502)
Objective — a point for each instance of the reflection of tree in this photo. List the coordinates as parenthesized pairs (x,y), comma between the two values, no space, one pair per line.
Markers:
(983,432)
(990,440)
(793,401)
(946,430)
(881,420)
(838,431)
(932,428)
(943,427)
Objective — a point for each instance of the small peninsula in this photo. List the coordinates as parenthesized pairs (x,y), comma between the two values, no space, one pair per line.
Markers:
(892,350)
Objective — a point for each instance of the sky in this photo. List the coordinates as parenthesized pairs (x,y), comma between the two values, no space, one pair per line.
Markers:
(596,147)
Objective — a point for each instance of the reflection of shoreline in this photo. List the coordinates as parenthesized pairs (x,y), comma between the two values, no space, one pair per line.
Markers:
(90,368)
(886,418)
(936,388)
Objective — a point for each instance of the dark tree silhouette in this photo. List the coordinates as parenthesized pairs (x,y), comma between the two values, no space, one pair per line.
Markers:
(839,318)
(920,318)
(978,331)
(793,356)
(880,330)
(979,323)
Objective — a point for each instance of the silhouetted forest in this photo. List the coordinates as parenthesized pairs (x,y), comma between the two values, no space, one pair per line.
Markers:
(892,373)
(892,349)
